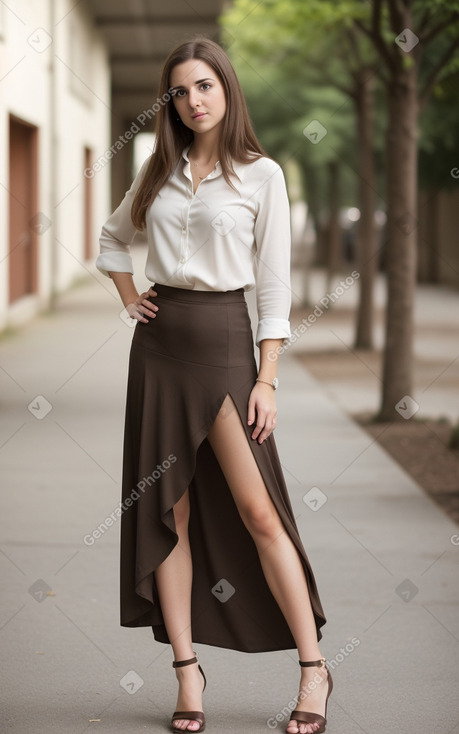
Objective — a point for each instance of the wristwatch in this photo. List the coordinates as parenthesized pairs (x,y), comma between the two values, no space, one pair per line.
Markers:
(274,383)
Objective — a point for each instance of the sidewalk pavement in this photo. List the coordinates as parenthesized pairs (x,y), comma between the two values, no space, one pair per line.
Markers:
(384,555)
(352,377)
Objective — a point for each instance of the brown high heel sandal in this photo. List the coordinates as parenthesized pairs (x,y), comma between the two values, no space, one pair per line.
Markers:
(192,715)
(305,717)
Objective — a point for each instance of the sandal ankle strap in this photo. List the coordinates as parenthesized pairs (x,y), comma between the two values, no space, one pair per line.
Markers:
(309,663)
(181,663)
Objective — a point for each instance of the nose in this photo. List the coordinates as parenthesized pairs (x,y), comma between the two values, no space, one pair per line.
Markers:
(194,98)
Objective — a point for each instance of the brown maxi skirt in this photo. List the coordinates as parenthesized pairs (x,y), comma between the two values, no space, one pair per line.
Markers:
(182,364)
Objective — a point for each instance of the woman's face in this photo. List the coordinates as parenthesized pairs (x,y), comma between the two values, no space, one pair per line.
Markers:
(197,89)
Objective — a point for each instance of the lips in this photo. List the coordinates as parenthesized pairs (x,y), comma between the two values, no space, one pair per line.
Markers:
(200,114)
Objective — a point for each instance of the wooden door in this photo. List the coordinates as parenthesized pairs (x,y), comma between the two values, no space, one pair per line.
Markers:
(25,223)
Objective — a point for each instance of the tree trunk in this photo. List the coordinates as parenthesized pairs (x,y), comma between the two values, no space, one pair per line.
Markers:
(367,252)
(334,227)
(312,190)
(401,255)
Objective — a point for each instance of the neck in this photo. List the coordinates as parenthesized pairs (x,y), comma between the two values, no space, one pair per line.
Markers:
(205,148)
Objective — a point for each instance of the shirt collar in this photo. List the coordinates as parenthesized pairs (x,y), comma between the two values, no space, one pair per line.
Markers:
(218,170)
(185,152)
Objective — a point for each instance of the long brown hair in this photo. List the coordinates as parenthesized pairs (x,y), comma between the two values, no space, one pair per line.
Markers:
(237,140)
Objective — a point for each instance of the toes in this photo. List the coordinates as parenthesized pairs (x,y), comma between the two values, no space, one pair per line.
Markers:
(186,724)
(294,727)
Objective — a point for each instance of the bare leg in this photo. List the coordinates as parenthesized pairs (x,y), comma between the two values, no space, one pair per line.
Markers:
(279,558)
(173,579)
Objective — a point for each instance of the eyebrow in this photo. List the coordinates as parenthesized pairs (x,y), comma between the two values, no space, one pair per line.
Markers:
(198,81)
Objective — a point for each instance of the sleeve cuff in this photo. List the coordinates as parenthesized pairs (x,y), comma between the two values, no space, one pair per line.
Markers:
(272,329)
(117,262)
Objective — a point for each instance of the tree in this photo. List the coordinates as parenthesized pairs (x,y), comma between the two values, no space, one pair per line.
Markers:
(280,86)
(416,44)
(321,37)
(401,31)
(439,148)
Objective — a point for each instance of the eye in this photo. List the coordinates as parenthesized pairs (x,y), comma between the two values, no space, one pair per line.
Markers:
(178,92)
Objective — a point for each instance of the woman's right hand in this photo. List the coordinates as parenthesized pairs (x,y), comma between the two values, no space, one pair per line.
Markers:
(142,307)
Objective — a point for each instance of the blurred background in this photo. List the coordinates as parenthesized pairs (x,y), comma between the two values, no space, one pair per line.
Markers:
(358,102)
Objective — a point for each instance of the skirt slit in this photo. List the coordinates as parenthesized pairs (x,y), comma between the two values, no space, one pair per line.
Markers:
(182,365)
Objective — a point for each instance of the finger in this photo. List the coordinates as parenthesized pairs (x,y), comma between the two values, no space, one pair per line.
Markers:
(139,312)
(267,430)
(251,412)
(259,427)
(133,312)
(263,435)
(149,307)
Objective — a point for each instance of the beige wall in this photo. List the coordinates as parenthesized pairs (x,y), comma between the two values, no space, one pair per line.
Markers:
(55,75)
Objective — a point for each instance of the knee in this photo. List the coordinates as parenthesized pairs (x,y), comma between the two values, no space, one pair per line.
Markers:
(262,521)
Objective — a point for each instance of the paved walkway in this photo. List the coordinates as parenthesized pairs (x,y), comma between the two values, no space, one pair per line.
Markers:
(352,378)
(385,557)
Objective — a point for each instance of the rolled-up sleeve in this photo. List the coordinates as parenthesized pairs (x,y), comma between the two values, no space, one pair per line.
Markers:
(272,260)
(118,233)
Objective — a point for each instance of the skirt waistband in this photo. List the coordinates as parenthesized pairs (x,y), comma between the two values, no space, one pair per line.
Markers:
(195,296)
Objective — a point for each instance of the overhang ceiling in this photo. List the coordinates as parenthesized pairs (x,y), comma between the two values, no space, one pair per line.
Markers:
(140,34)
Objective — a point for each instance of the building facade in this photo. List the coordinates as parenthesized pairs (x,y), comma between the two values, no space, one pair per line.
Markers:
(55,119)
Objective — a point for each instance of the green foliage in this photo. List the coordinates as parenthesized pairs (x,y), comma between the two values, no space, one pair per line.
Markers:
(298,61)
(281,50)
(439,140)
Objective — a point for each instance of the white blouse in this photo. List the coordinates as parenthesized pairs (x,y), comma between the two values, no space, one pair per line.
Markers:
(214,239)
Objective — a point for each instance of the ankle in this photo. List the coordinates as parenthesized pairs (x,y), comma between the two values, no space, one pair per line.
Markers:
(310,656)
(311,680)
(183,654)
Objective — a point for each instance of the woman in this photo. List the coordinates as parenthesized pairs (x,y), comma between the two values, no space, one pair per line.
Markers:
(210,551)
